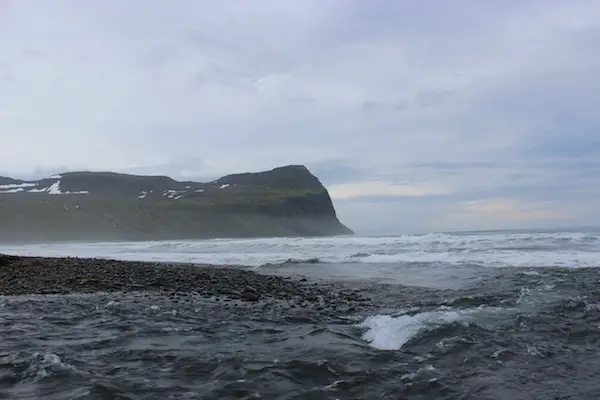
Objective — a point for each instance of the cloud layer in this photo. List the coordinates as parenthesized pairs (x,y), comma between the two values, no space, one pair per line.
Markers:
(417,115)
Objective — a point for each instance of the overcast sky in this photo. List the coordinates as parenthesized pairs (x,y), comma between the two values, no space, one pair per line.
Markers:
(417,115)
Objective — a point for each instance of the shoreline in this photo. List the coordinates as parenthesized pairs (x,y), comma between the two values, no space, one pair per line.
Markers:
(46,241)
(30,275)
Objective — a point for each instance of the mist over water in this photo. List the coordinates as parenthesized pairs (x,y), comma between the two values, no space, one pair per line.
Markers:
(495,315)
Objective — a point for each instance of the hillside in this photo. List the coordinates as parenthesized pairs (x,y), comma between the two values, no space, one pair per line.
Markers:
(286,201)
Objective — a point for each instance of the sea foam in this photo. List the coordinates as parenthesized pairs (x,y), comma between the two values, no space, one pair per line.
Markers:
(567,250)
(386,332)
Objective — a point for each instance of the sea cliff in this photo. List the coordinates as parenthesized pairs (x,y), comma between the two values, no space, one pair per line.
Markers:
(285,201)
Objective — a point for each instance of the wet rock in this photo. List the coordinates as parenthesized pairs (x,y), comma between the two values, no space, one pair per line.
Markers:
(222,285)
(89,281)
(250,294)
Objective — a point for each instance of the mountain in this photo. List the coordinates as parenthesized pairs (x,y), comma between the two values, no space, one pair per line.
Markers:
(285,201)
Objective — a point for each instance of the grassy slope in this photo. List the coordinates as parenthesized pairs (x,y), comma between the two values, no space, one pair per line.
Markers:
(286,201)
(43,217)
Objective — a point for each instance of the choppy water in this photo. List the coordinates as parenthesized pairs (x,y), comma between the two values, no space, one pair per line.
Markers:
(471,316)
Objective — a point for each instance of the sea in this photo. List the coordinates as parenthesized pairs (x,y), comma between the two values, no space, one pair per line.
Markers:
(462,315)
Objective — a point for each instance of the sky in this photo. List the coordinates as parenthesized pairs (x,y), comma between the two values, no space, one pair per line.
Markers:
(416,115)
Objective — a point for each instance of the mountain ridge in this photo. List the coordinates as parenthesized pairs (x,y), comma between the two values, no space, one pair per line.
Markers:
(104,205)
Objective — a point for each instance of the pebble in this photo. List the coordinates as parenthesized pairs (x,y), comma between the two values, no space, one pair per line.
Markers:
(39,275)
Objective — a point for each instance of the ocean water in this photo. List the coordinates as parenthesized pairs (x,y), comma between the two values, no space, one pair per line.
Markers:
(479,315)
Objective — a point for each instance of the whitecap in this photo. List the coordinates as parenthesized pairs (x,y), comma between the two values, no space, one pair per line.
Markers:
(385,332)
(532,350)
(523,250)
(46,363)
(112,304)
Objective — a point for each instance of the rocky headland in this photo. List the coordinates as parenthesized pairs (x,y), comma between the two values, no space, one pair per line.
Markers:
(107,206)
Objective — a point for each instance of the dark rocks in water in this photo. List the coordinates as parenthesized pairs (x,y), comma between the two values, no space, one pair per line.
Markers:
(313,260)
(285,201)
(250,294)
(38,275)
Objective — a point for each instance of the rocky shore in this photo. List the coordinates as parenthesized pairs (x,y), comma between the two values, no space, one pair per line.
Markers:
(40,275)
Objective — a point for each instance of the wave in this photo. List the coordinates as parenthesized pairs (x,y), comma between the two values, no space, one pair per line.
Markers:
(385,332)
(292,261)
(473,258)
(559,249)
(38,365)
(392,332)
(489,259)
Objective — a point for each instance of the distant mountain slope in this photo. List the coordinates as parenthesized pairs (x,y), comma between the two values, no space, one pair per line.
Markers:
(286,201)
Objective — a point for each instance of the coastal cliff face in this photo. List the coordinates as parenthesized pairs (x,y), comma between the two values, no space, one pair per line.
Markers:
(286,201)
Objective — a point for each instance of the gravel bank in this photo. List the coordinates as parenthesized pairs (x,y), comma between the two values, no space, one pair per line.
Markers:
(40,275)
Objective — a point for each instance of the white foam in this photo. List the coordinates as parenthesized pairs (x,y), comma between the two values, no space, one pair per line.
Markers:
(223,186)
(112,304)
(530,273)
(499,352)
(592,307)
(413,375)
(532,350)
(373,254)
(47,363)
(385,332)
(142,195)
(55,177)
(525,295)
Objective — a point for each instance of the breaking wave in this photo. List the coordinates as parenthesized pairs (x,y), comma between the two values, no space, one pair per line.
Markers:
(386,332)
(499,249)
(393,331)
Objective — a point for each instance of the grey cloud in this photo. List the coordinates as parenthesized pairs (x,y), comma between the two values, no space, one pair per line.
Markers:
(454,166)
(185,169)
(32,53)
(492,100)
(36,173)
(332,172)
(376,106)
